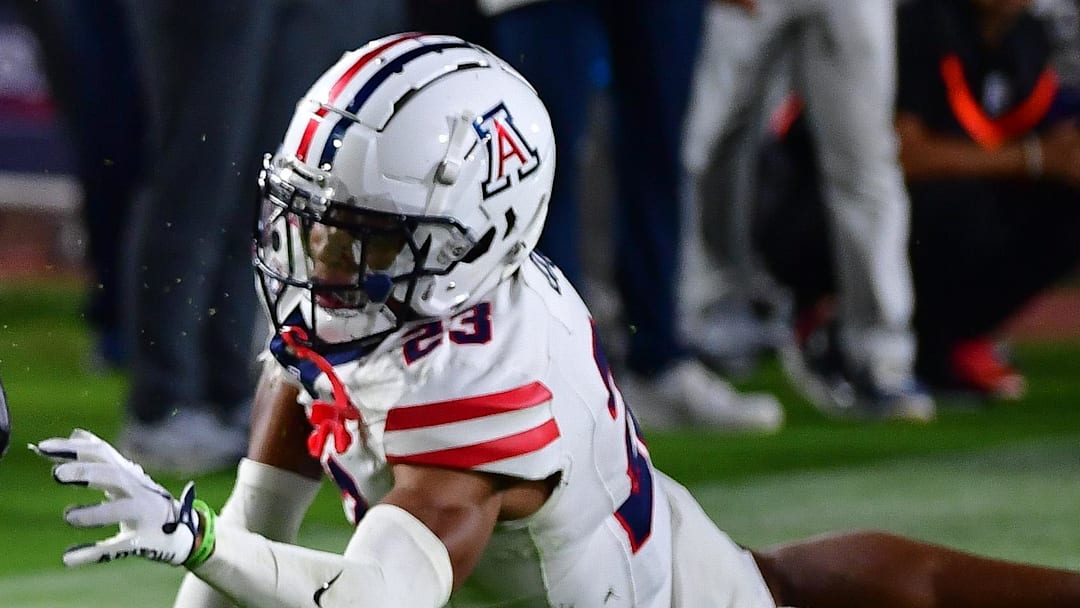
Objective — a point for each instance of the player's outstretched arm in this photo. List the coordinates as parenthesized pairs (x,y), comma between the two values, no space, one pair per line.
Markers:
(393,560)
(274,485)
(408,551)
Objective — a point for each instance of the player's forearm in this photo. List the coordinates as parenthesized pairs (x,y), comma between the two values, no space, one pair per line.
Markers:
(392,561)
(256,572)
(925,154)
(934,157)
(279,425)
(265,500)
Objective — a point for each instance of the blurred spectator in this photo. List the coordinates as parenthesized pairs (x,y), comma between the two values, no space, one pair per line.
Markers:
(842,63)
(992,155)
(732,312)
(92,75)
(991,149)
(650,46)
(223,78)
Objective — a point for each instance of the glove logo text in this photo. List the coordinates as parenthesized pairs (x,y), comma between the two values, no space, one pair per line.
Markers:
(156,555)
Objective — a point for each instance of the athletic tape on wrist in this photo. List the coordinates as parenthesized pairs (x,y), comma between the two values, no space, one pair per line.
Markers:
(208,521)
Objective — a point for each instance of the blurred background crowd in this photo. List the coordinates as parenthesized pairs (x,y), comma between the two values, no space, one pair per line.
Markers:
(873,192)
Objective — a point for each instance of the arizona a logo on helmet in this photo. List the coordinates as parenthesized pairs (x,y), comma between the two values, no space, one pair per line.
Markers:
(510,157)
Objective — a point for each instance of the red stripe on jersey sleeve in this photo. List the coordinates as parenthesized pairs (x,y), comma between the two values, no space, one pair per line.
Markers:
(457,410)
(469,456)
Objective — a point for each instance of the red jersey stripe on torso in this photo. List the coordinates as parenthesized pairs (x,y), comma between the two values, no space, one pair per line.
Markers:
(314,122)
(469,408)
(469,456)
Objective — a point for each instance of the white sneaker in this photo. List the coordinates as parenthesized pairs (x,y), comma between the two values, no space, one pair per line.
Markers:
(734,337)
(691,394)
(192,441)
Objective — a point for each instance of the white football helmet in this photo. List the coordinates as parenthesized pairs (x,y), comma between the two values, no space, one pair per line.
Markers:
(413,178)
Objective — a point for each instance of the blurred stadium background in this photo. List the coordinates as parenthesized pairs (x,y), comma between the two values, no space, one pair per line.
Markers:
(1001,479)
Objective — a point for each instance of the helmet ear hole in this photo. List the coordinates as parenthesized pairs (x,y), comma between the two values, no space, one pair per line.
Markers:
(480,248)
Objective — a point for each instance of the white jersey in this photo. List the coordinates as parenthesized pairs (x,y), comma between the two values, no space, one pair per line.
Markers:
(517,385)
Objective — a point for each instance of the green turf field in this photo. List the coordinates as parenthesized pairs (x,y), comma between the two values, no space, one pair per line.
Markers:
(1003,480)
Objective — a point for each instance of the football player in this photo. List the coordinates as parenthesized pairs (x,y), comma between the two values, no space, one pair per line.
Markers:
(451,383)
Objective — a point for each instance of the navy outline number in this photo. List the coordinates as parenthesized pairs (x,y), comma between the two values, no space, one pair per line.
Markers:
(473,326)
(421,341)
(477,325)
(635,514)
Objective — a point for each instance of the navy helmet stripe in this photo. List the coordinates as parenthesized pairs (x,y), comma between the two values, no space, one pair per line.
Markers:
(366,91)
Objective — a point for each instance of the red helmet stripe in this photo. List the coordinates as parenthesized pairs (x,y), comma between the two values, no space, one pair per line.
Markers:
(343,81)
(309,133)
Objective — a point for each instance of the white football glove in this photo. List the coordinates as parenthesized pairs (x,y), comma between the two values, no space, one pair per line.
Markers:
(153,524)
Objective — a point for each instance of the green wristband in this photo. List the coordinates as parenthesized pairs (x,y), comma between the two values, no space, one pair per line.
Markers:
(208,520)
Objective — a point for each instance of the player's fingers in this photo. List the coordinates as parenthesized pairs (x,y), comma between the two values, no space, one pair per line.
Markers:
(108,513)
(85,447)
(81,554)
(83,434)
(94,448)
(98,475)
(80,445)
(57,448)
(121,545)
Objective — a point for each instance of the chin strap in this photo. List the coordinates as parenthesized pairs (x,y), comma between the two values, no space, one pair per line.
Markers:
(328,419)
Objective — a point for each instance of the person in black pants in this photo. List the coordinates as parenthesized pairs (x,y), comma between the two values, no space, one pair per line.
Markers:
(649,46)
(91,68)
(991,151)
(222,81)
